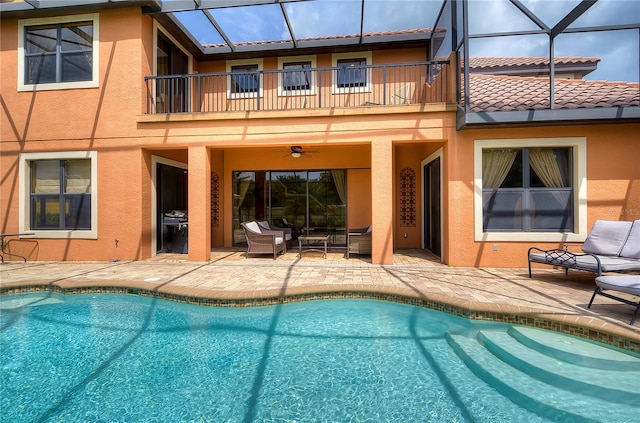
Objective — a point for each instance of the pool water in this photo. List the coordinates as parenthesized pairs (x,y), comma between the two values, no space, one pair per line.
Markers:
(117,358)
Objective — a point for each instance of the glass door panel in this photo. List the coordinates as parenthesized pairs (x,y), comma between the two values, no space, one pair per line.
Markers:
(305,201)
(244,205)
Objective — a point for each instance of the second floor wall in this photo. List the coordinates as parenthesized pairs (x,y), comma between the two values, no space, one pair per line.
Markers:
(82,76)
(105,106)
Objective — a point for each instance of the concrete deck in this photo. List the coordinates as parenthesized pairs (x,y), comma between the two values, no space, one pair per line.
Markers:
(550,299)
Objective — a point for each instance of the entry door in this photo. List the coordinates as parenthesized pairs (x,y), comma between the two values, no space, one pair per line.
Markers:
(432,213)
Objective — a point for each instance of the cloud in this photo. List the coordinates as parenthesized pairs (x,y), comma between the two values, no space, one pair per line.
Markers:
(324,18)
(254,23)
(618,50)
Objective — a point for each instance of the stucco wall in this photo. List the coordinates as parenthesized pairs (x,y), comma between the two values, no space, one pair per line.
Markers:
(613,187)
(99,119)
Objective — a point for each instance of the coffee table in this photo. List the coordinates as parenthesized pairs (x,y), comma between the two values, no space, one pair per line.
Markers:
(325,239)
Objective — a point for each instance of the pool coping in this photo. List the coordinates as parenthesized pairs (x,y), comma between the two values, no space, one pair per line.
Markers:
(586,327)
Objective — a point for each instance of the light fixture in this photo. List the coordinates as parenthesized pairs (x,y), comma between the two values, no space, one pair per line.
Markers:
(296,151)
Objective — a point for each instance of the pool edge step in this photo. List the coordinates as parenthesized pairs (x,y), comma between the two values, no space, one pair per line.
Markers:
(615,386)
(562,346)
(553,403)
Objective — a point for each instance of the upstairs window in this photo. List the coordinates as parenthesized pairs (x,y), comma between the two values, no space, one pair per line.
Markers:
(352,73)
(296,76)
(245,79)
(58,53)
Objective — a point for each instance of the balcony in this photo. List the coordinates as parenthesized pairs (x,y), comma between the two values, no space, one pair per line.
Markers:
(303,88)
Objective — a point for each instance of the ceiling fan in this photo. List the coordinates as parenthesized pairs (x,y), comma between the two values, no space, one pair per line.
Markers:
(296,152)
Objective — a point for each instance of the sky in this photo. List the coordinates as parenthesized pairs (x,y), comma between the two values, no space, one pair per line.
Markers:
(618,50)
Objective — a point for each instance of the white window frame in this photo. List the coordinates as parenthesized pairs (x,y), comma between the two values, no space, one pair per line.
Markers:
(94,83)
(157,28)
(230,64)
(335,89)
(579,183)
(25,190)
(296,59)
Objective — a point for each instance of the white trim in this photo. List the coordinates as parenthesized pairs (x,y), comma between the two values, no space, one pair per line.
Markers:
(437,154)
(296,59)
(579,145)
(95,81)
(23,195)
(367,55)
(241,62)
(155,160)
(159,28)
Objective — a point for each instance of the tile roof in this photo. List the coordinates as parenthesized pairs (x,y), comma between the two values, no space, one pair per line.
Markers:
(489,93)
(500,62)
(332,37)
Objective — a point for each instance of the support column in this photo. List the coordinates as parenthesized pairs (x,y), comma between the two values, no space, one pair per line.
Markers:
(382,205)
(199,204)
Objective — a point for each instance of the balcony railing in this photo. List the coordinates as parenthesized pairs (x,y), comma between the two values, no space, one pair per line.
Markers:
(302,88)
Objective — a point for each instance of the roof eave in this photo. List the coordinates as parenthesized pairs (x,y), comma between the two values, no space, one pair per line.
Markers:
(544,117)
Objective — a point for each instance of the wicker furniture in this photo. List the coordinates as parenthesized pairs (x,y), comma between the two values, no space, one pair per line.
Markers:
(359,241)
(262,241)
(264,225)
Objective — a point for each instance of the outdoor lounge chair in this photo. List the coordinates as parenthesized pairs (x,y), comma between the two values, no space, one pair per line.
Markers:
(262,241)
(621,283)
(264,225)
(359,241)
(611,246)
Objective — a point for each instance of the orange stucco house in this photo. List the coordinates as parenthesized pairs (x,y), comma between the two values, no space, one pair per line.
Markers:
(115,120)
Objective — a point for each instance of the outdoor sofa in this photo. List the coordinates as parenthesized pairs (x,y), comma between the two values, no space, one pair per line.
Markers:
(359,241)
(611,246)
(263,241)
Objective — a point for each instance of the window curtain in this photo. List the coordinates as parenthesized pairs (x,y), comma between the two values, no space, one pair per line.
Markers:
(242,192)
(496,165)
(544,163)
(341,184)
(77,176)
(551,167)
(46,177)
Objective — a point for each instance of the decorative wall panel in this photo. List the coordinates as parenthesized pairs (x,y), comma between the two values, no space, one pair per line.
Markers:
(408,197)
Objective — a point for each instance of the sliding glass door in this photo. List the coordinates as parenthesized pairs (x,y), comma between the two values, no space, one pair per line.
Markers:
(305,201)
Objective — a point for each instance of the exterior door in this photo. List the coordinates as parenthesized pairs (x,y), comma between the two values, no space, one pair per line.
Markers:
(171,92)
(432,213)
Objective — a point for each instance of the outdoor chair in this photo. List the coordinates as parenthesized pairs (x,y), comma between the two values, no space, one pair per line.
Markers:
(264,225)
(629,284)
(359,241)
(262,241)
(611,246)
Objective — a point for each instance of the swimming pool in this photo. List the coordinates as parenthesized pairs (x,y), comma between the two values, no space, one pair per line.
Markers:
(126,358)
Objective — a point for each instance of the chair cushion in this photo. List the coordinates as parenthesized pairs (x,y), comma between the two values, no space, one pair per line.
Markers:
(264,224)
(631,248)
(607,237)
(623,283)
(252,226)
